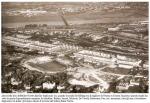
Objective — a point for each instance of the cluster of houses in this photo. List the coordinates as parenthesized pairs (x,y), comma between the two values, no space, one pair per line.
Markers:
(36,45)
(135,82)
(27,88)
(106,58)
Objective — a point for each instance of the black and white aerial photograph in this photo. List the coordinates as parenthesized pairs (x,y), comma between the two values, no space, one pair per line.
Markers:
(74,47)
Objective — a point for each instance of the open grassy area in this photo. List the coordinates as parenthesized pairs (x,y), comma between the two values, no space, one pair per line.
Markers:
(116,16)
(49,66)
(117,70)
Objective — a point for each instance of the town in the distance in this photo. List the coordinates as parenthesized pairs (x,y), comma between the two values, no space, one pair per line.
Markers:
(75,47)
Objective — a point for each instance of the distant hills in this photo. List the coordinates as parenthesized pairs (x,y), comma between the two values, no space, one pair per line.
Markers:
(100,11)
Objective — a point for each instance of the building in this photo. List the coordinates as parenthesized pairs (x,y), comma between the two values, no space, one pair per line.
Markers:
(36,45)
(105,58)
(48,85)
(122,86)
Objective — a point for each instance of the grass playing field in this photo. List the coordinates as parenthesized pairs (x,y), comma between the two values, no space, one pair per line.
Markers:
(52,66)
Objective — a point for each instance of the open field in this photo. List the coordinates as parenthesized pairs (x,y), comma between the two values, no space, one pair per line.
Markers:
(44,64)
(99,16)
(48,67)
